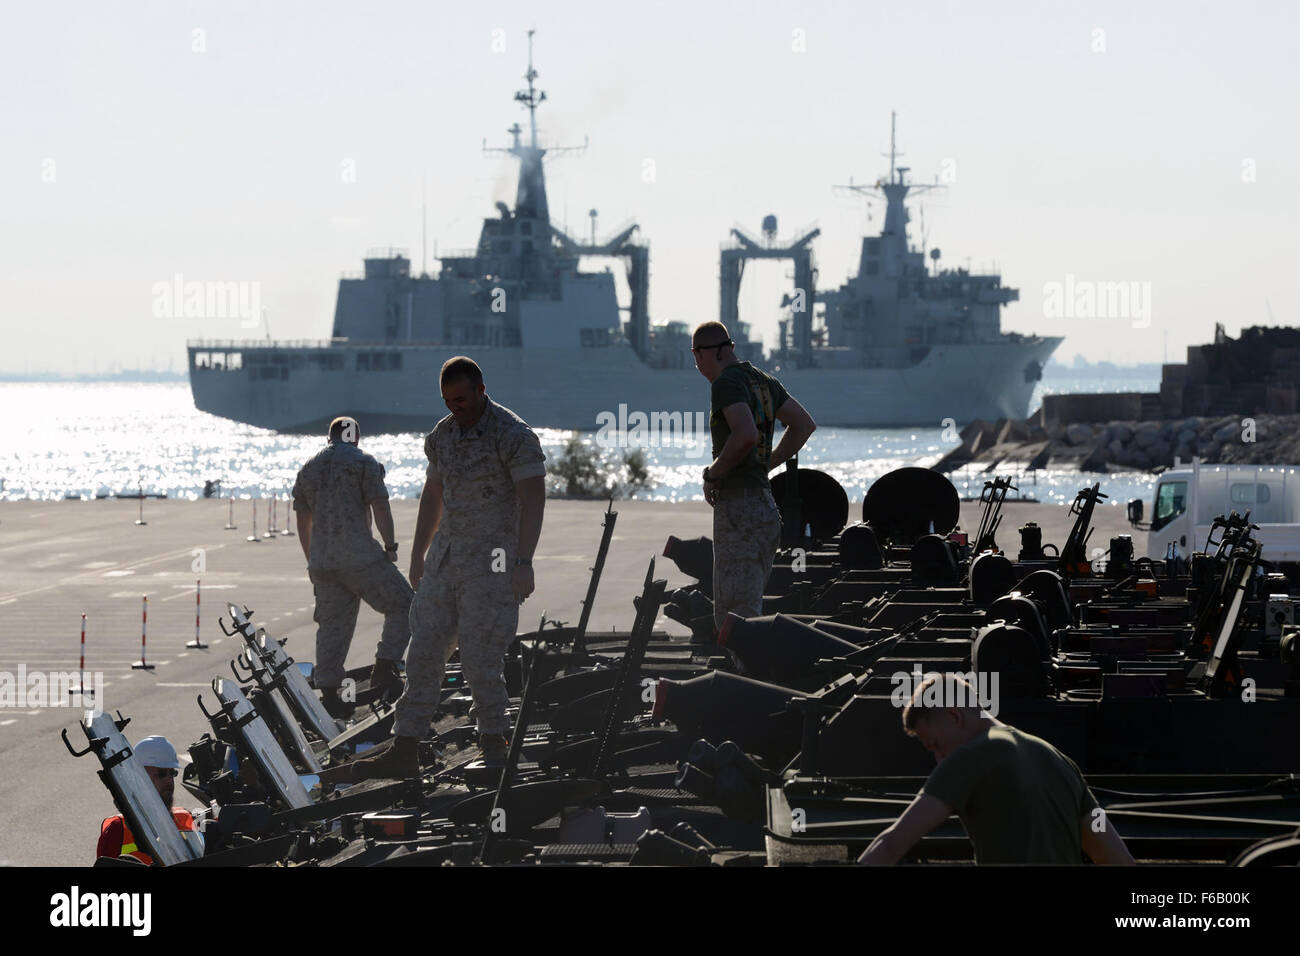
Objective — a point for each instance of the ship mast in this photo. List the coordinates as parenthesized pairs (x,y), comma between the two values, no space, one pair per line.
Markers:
(893,121)
(530,97)
(530,197)
(895,189)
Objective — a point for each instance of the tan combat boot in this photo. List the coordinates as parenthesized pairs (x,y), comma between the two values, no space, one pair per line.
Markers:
(495,747)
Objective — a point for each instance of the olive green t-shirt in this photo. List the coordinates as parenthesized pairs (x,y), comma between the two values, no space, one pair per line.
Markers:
(764,395)
(1019,798)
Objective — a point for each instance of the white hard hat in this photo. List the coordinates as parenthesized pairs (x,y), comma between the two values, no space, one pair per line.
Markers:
(157,751)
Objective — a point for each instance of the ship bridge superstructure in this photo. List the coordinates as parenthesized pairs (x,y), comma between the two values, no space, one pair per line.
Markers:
(896,308)
(522,285)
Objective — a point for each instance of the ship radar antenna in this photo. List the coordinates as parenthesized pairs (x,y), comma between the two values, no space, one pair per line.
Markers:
(530,196)
(531,97)
(895,189)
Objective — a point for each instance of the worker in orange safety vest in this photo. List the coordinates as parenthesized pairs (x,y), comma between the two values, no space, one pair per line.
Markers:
(161,763)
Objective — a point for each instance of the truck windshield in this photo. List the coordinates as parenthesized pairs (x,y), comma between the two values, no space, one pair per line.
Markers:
(1171,501)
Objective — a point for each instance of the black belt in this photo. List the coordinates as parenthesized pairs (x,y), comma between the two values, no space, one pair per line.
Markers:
(742,492)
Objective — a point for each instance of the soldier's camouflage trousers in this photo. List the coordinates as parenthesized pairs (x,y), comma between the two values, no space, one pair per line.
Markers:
(746,533)
(450,609)
(338,598)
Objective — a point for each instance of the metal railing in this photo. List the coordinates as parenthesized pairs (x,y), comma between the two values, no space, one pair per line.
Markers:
(369,345)
(220,345)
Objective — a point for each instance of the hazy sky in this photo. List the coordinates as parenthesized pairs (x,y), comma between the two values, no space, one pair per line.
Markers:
(1113,142)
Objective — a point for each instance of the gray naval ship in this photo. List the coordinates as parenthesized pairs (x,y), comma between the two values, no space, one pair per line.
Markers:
(900,343)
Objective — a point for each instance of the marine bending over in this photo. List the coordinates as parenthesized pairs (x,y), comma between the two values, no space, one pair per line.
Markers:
(1020,799)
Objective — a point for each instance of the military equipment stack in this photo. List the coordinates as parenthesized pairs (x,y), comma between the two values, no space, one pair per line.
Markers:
(780,739)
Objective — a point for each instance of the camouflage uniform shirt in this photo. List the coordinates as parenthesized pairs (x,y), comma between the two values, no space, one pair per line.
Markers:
(742,383)
(335,487)
(478,467)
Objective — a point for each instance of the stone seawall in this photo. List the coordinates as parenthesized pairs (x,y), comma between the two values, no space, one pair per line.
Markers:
(1129,445)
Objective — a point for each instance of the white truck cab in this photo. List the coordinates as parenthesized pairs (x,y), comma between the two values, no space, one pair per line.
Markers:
(1189,496)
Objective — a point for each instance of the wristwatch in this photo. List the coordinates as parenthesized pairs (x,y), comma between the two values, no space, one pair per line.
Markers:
(524,562)
(391,547)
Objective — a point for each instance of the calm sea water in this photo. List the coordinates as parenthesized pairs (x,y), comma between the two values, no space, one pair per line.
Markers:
(84,439)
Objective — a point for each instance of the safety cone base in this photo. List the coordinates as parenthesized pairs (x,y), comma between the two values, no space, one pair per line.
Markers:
(142,666)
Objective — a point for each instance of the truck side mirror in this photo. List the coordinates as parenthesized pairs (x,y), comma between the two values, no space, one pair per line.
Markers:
(1135,511)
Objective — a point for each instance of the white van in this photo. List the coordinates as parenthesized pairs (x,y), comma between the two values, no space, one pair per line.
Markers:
(1189,496)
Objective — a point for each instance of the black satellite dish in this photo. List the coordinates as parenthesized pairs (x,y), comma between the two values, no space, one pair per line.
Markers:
(823,501)
(904,504)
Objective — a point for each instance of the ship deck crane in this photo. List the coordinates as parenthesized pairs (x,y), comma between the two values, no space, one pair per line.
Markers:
(637,257)
(732,268)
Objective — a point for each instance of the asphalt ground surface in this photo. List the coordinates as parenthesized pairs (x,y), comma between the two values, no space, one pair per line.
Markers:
(61,559)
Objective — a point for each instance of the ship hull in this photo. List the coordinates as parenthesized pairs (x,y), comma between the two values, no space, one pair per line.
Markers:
(574,388)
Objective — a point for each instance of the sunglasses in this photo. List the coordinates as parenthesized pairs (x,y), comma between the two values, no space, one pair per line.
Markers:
(718,345)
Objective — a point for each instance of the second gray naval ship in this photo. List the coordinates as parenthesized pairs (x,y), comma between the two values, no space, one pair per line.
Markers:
(898,344)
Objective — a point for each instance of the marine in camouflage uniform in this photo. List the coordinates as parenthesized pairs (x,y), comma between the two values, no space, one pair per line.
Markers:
(337,489)
(746,521)
(465,593)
